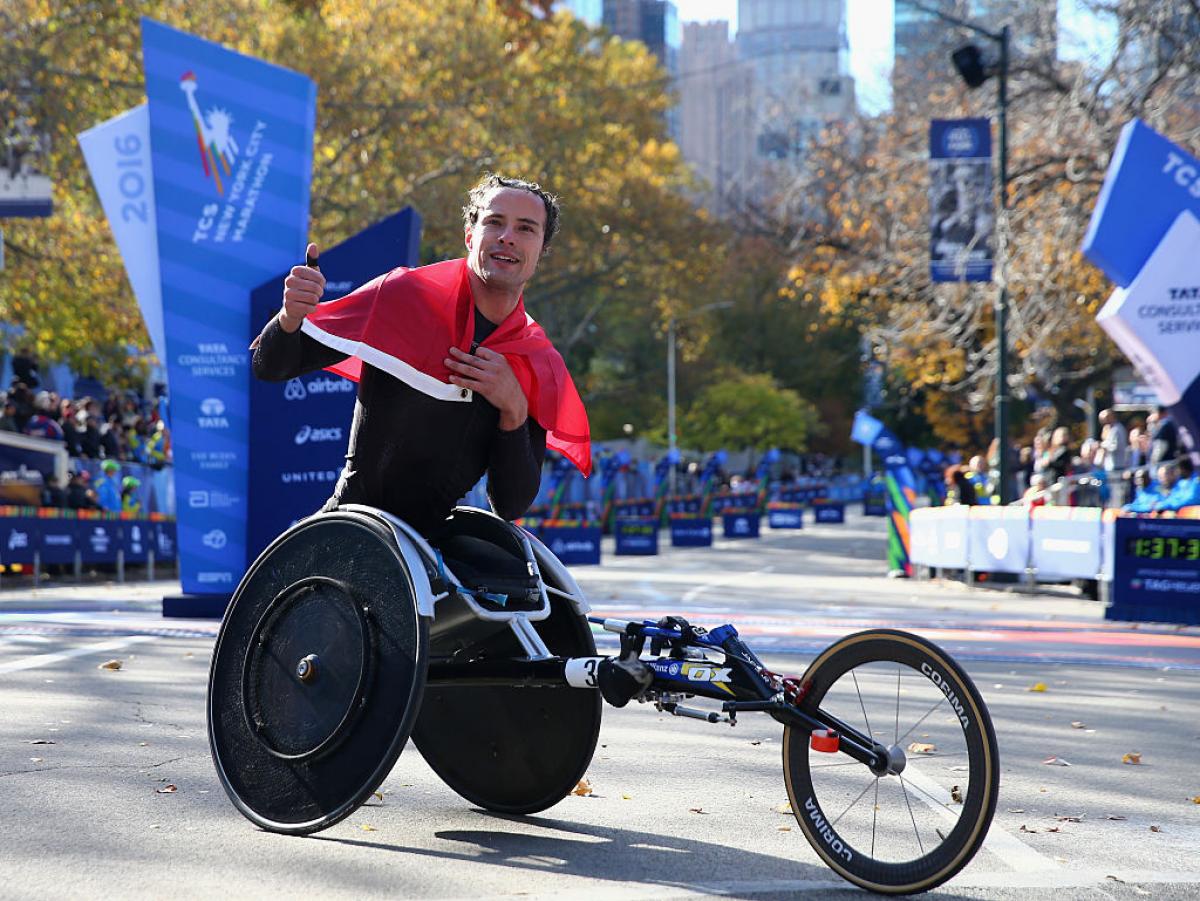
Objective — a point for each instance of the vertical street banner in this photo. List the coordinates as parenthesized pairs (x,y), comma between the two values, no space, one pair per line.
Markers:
(117,153)
(962,206)
(231,150)
(299,428)
(25,186)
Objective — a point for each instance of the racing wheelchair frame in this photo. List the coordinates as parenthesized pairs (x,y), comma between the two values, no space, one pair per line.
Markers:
(352,633)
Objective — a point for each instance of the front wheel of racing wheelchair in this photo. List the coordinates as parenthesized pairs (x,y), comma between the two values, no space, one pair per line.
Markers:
(319,674)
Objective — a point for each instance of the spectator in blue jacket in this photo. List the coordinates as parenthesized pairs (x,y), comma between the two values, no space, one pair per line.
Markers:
(108,487)
(1185,492)
(1146,495)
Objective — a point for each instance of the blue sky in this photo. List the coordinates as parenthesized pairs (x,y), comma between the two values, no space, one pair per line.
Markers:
(869,28)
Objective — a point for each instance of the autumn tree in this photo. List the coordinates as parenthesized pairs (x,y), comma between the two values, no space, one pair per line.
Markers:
(415,102)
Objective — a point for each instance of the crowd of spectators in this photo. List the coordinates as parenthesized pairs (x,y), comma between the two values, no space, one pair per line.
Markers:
(1140,467)
(122,427)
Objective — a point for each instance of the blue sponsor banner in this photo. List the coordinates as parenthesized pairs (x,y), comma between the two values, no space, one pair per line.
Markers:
(20,540)
(1150,181)
(691,531)
(1156,570)
(636,537)
(58,540)
(99,540)
(573,545)
(785,519)
(741,525)
(829,513)
(165,544)
(137,538)
(231,152)
(962,215)
(299,428)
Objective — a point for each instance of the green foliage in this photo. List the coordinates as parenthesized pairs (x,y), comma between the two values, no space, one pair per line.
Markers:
(743,410)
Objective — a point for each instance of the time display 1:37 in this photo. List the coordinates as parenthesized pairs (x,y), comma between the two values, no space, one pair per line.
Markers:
(1162,548)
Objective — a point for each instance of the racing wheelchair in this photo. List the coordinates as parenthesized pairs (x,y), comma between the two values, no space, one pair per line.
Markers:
(352,633)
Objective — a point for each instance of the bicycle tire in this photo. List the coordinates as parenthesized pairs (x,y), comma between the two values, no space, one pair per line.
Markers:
(932,673)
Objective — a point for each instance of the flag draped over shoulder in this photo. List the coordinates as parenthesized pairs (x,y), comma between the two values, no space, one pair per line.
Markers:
(405,321)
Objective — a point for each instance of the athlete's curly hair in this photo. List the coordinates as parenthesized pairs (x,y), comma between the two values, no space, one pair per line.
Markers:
(491,180)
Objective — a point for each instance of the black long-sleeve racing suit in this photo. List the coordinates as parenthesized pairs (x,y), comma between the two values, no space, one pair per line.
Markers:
(410,454)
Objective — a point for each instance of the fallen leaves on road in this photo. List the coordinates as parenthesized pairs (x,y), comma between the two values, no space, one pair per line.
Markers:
(1196,799)
(922,747)
(1056,761)
(1078,725)
(698,810)
(784,808)
(1133,757)
(956,794)
(1069,818)
(1116,816)
(42,741)
(1025,828)
(36,759)
(625,797)
(366,827)
(1156,828)
(783,828)
(1038,686)
(168,789)
(110,664)
(583,788)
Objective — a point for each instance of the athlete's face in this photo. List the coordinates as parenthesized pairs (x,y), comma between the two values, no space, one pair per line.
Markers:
(504,244)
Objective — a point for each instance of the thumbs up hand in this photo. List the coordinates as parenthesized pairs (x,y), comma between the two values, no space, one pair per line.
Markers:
(302,289)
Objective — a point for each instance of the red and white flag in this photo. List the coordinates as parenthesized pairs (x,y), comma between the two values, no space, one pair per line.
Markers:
(405,321)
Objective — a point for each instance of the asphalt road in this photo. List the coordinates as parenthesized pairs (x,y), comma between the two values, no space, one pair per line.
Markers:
(678,808)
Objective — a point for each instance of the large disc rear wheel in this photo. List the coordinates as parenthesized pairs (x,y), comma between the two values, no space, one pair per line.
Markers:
(915,825)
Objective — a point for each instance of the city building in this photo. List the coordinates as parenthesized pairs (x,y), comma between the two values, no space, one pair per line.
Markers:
(713,91)
(656,24)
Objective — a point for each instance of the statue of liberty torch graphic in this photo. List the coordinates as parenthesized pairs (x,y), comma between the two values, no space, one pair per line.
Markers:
(218,149)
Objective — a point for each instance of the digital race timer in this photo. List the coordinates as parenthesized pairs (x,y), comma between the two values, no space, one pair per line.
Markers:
(1161,548)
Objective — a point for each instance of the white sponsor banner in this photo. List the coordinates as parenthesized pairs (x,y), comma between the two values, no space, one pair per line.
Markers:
(1156,320)
(117,153)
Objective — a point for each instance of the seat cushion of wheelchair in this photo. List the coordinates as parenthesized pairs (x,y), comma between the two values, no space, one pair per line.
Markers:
(510,749)
(317,675)
(488,567)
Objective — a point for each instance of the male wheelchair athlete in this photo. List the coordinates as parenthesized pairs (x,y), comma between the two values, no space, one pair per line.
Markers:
(352,633)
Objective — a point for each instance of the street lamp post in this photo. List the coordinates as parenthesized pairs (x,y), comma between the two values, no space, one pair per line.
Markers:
(671,437)
(969,62)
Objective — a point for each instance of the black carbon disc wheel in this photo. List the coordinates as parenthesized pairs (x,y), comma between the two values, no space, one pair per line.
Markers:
(915,826)
(317,675)
(508,749)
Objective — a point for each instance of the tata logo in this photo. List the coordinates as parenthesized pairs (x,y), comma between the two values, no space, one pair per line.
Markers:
(212,410)
(294,390)
(214,539)
(308,433)
(17,540)
(99,539)
(960,141)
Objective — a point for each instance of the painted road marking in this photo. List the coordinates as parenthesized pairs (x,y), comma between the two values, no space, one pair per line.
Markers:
(694,593)
(1011,850)
(102,647)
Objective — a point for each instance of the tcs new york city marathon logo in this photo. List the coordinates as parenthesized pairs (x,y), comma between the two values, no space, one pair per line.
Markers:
(218,148)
